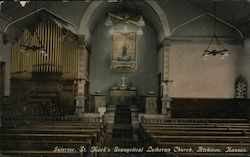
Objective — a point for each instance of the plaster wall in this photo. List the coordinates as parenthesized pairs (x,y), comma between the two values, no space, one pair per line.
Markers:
(197,78)
(244,63)
(102,77)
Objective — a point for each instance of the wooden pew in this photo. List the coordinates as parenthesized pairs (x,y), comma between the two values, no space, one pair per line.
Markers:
(202,139)
(194,133)
(42,137)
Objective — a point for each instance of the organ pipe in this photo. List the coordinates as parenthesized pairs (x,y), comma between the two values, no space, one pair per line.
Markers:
(62,53)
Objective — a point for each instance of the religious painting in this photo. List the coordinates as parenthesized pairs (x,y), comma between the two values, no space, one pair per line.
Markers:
(124,54)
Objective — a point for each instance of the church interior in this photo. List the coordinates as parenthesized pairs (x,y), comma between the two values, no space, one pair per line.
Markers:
(111,78)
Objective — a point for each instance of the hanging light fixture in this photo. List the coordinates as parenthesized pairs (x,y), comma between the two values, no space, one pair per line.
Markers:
(27,47)
(111,31)
(126,19)
(223,52)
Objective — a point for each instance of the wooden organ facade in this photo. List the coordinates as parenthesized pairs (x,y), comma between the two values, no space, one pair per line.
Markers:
(43,84)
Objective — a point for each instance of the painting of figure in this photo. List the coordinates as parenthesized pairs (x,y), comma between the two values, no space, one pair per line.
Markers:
(124,52)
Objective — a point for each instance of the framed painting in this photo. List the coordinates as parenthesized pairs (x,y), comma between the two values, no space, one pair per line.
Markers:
(124,54)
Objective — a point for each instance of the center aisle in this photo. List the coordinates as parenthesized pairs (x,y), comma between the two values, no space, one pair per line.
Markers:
(123,131)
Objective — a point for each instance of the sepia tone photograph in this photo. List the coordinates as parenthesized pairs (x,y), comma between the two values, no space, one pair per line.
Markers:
(125,78)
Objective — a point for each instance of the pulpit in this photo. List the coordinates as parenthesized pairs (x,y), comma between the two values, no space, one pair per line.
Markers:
(122,95)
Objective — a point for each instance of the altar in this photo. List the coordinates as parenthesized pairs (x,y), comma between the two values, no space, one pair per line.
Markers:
(122,95)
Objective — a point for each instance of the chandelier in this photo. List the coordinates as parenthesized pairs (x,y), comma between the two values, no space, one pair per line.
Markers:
(28,47)
(220,51)
(33,43)
(223,52)
(135,20)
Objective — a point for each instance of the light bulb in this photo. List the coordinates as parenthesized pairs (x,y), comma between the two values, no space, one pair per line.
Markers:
(27,53)
(225,54)
(204,58)
(141,22)
(42,51)
(22,49)
(108,22)
(125,30)
(139,31)
(111,31)
(205,55)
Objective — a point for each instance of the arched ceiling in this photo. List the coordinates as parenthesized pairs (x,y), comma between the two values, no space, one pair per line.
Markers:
(149,15)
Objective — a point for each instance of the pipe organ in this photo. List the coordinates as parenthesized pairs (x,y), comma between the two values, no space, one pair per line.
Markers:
(61,57)
(45,80)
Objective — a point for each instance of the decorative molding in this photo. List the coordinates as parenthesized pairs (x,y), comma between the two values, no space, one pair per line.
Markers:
(82,42)
(34,12)
(214,17)
(164,42)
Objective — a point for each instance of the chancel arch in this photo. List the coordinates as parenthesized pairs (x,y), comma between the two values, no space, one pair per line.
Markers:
(157,26)
(136,89)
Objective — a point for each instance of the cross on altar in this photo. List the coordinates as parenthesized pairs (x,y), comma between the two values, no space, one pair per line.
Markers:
(123,81)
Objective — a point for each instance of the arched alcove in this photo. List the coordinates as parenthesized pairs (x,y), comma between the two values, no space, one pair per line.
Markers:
(101,76)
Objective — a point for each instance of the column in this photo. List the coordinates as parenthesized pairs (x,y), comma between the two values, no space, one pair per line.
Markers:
(82,77)
(166,108)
